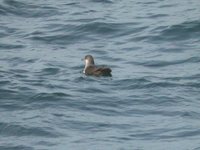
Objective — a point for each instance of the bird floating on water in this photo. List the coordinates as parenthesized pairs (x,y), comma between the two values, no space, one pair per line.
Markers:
(91,69)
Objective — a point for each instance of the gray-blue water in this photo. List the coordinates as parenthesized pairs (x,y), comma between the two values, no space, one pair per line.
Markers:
(152,101)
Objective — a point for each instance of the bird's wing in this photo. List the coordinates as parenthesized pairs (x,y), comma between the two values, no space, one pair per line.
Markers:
(103,71)
(98,71)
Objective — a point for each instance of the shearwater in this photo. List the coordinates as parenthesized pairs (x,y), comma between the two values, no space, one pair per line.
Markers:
(91,69)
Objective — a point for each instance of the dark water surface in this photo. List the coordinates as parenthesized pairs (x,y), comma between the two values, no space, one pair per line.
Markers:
(152,102)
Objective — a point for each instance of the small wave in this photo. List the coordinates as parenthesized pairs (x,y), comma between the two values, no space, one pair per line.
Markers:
(147,3)
(47,100)
(11,46)
(66,34)
(93,90)
(154,16)
(17,147)
(155,83)
(50,96)
(49,71)
(159,63)
(179,32)
(165,134)
(23,9)
(2,11)
(5,32)
(168,5)
(19,130)
(189,77)
(128,81)
(2,83)
(102,1)
(61,39)
(15,61)
(151,85)
(72,3)
(18,71)
(99,27)
(182,31)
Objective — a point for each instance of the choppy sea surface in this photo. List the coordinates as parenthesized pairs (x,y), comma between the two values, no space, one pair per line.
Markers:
(152,100)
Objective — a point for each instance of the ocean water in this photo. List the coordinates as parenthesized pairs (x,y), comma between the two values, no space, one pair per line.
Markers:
(152,100)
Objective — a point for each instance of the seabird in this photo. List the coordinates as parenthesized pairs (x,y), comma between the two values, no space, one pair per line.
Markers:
(91,69)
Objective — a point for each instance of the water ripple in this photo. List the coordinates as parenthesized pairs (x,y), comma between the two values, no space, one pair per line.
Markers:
(46,102)
(19,147)
(25,131)
(23,9)
(157,63)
